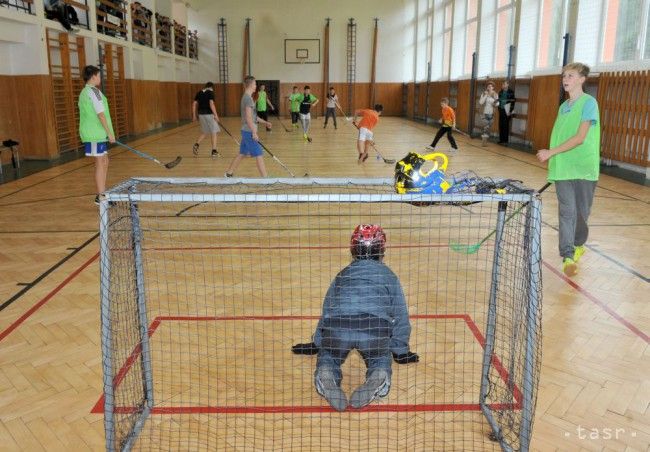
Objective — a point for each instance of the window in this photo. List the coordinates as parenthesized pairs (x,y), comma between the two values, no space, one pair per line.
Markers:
(553,17)
(424,38)
(446,37)
(646,54)
(504,33)
(624,26)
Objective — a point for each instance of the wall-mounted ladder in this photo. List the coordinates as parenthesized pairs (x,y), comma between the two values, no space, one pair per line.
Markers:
(222,51)
(246,66)
(352,63)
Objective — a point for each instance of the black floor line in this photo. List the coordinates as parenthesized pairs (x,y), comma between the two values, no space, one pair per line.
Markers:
(50,231)
(608,257)
(113,153)
(53,177)
(34,201)
(182,211)
(43,275)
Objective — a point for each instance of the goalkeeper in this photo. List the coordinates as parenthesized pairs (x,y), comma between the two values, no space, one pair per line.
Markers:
(364,308)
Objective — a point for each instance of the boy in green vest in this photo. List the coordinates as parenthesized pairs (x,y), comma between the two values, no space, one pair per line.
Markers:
(294,101)
(262,104)
(95,126)
(574,164)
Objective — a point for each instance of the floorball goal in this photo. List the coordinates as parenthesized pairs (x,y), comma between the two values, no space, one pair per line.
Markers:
(207,283)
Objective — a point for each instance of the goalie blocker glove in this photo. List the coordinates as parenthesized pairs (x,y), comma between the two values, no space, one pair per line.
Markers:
(406,358)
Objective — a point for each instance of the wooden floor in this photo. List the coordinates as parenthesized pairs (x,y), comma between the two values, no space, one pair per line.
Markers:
(595,383)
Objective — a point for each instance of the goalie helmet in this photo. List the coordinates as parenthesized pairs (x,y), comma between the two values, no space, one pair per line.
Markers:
(410,178)
(368,241)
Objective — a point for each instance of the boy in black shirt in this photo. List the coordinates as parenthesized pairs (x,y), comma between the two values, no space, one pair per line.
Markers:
(204,110)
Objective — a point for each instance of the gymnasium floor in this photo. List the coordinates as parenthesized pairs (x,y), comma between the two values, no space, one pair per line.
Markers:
(595,383)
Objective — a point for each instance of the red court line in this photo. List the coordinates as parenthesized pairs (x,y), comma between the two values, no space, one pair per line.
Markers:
(377,408)
(496,362)
(288,317)
(280,247)
(596,301)
(98,408)
(47,298)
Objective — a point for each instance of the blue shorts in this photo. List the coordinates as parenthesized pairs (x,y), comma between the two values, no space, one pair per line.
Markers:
(249,146)
(95,149)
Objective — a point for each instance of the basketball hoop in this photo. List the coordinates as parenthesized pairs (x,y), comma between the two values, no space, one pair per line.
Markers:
(302,60)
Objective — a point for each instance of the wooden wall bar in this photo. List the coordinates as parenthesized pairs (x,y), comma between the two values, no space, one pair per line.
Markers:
(623,98)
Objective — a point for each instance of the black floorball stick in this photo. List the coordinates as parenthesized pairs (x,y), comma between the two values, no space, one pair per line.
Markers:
(263,147)
(343,113)
(169,165)
(229,134)
(282,124)
(462,133)
(387,161)
(276,159)
(471,249)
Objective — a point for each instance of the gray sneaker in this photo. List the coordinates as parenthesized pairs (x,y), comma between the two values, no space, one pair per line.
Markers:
(326,386)
(377,385)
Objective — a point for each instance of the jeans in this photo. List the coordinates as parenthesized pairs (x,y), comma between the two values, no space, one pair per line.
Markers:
(368,334)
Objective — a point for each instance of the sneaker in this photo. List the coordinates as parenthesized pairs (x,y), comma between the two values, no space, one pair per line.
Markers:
(100,198)
(227,174)
(304,136)
(326,386)
(578,252)
(377,385)
(195,149)
(429,147)
(215,153)
(569,267)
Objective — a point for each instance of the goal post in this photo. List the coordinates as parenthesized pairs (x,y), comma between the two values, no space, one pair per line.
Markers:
(206,284)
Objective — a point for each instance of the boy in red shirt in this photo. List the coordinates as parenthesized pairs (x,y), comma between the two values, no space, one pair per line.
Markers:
(369,119)
(448,124)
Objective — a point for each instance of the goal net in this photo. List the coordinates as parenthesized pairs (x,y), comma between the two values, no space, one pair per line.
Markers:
(207,283)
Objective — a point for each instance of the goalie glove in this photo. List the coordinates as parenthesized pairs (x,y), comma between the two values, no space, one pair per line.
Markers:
(305,349)
(406,358)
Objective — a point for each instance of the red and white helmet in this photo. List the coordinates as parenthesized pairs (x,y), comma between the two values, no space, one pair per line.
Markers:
(368,241)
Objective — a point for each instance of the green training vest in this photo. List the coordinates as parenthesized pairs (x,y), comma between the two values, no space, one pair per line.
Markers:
(90,127)
(261,101)
(583,161)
